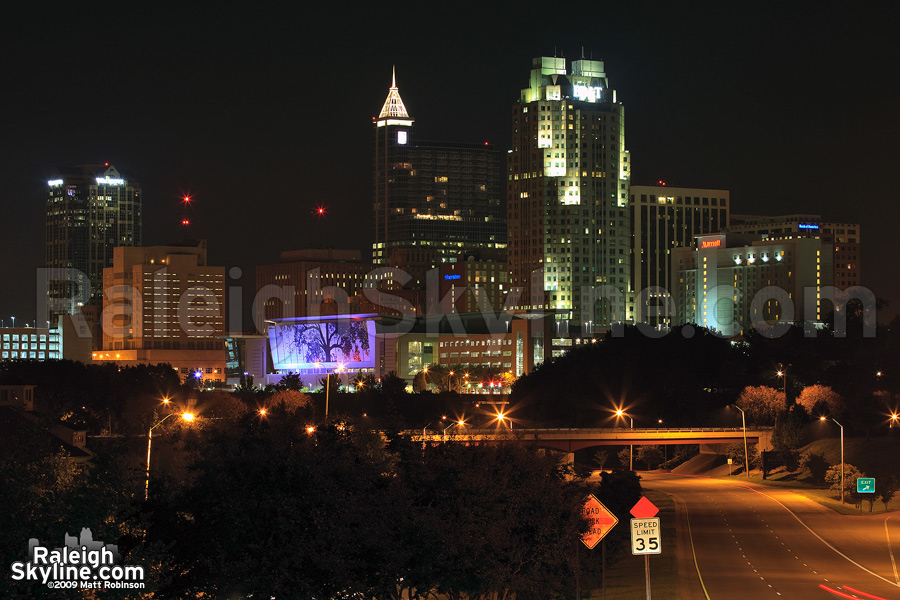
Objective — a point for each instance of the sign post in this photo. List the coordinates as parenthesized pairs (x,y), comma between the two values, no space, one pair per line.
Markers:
(601,521)
(645,534)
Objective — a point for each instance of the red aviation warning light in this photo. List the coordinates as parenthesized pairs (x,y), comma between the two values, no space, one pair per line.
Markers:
(185,222)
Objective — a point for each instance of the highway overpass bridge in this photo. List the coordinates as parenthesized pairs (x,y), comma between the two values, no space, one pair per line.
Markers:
(710,439)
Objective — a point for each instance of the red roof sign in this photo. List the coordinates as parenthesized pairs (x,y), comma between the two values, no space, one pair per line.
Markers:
(600,519)
(644,509)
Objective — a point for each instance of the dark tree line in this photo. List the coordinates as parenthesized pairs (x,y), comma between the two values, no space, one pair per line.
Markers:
(687,376)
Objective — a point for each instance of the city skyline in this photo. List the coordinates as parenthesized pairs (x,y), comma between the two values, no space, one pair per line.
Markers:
(789,111)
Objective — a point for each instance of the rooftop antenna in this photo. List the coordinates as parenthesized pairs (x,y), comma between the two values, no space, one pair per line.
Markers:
(582,53)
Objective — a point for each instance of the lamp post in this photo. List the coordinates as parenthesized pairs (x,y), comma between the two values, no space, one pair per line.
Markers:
(459,423)
(744,428)
(782,372)
(622,413)
(842,455)
(186,416)
(328,387)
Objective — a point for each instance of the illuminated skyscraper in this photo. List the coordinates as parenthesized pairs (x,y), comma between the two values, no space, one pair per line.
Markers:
(432,200)
(91,209)
(665,218)
(568,176)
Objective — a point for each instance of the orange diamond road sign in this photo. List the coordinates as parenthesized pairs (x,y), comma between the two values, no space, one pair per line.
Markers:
(644,509)
(600,520)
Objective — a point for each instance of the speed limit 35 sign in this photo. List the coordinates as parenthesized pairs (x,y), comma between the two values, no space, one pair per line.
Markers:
(645,536)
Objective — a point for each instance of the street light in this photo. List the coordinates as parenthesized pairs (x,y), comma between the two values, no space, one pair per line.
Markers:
(842,455)
(328,387)
(622,413)
(189,417)
(502,418)
(459,423)
(744,428)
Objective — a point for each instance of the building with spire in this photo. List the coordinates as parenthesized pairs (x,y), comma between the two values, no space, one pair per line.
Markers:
(432,200)
(568,181)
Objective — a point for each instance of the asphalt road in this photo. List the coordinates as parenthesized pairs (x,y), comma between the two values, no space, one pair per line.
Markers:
(737,540)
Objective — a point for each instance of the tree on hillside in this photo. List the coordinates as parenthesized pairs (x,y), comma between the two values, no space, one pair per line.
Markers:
(816,464)
(851,474)
(821,400)
(790,430)
(289,400)
(736,453)
(761,403)
(887,488)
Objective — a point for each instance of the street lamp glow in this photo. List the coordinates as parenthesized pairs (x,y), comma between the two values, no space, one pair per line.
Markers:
(189,417)
(262,412)
(622,413)
(842,455)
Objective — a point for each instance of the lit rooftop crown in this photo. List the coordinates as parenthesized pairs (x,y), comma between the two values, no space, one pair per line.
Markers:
(393,106)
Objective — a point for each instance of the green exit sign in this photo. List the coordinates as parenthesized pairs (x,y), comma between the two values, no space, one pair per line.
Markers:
(865,485)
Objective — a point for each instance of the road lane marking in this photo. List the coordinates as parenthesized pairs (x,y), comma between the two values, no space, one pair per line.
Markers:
(790,512)
(687,518)
(890,550)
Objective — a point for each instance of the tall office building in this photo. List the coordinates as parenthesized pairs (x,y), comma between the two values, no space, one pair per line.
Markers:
(567,195)
(432,200)
(665,218)
(91,209)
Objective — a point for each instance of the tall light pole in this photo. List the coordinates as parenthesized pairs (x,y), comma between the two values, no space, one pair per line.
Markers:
(744,427)
(622,413)
(186,416)
(842,456)
(328,387)
(782,372)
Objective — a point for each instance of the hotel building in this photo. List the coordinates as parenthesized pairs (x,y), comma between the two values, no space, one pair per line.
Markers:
(733,283)
(843,237)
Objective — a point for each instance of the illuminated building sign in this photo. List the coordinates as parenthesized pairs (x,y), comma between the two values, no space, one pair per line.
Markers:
(448,277)
(401,137)
(587,93)
(711,243)
(109,181)
(55,182)
(323,343)
(807,226)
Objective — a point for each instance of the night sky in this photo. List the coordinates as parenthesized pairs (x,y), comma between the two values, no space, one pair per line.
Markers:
(262,115)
